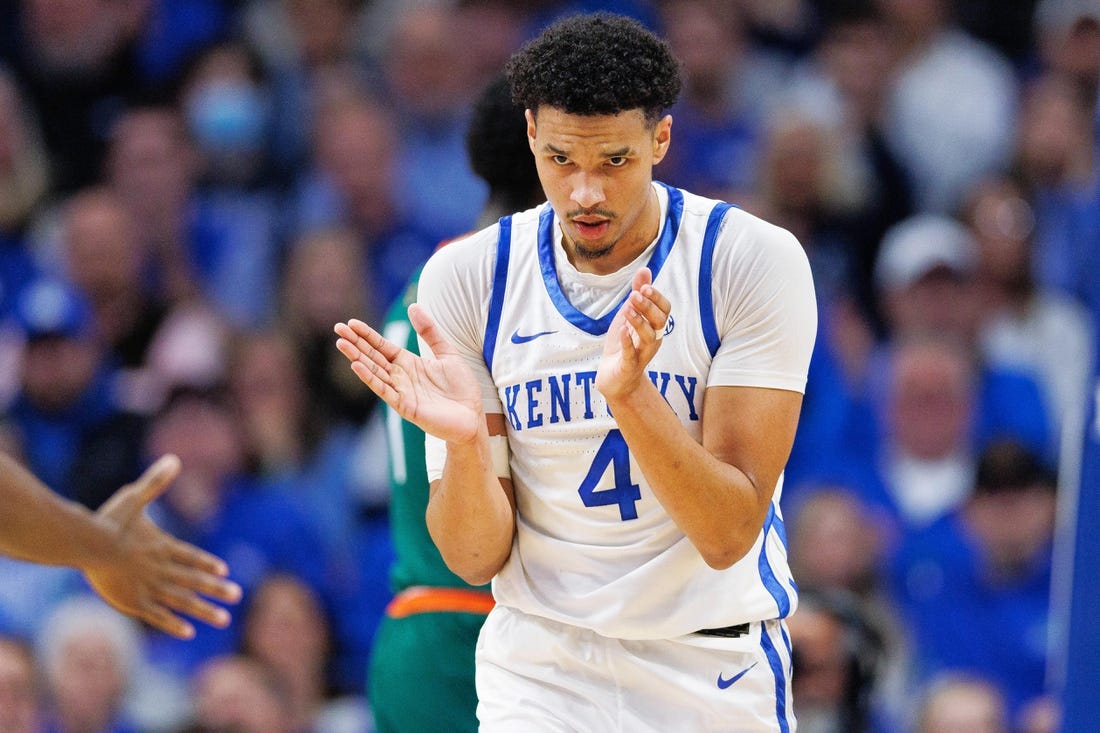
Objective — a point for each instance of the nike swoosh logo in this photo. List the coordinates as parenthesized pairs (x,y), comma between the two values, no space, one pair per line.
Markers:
(723,683)
(517,339)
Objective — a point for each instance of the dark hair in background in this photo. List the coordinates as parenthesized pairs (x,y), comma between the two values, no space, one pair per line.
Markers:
(864,647)
(496,144)
(596,64)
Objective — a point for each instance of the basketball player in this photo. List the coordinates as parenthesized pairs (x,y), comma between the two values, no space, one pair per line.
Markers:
(136,567)
(432,624)
(612,383)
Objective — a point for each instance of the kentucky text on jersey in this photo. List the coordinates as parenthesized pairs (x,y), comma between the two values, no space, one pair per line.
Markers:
(536,402)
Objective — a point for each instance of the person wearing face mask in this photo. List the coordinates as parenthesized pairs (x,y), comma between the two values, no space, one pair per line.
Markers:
(233,227)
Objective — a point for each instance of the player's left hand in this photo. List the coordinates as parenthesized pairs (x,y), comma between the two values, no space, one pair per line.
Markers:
(151,575)
(633,338)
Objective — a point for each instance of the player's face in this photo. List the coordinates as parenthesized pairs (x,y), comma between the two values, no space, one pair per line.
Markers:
(596,172)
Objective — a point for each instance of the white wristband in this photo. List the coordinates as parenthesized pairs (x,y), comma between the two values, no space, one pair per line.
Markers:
(435,456)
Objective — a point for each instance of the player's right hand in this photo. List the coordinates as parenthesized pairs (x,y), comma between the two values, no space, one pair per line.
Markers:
(437,393)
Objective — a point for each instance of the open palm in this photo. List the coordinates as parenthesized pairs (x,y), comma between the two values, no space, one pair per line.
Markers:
(438,393)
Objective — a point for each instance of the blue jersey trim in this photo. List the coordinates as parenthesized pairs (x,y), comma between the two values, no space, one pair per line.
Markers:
(706,274)
(767,574)
(776,664)
(496,298)
(599,326)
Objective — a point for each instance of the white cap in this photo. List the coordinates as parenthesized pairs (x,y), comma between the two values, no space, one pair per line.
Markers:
(915,247)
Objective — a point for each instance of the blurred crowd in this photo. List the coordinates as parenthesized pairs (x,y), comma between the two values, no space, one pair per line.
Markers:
(192,192)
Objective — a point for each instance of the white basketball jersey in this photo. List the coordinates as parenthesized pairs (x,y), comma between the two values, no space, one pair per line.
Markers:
(593,546)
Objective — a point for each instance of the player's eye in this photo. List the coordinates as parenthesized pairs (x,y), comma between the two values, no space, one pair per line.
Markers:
(560,159)
(617,161)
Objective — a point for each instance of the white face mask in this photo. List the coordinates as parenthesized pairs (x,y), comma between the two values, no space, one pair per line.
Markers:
(228,117)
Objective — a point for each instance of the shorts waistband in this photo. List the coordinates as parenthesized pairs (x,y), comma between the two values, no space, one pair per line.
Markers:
(426,599)
(729,632)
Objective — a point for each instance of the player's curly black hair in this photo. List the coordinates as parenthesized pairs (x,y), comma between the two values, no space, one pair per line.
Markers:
(596,64)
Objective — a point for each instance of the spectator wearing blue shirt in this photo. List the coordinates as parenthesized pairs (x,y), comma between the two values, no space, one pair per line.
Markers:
(925,277)
(356,182)
(974,587)
(215,506)
(65,382)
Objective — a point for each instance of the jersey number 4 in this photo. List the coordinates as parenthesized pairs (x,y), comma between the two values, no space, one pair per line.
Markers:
(625,493)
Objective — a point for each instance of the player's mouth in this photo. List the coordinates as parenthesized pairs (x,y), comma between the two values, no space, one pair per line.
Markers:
(591,229)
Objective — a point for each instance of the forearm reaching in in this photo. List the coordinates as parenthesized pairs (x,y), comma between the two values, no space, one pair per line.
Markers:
(135,566)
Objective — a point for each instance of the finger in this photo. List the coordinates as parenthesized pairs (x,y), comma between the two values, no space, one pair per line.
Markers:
(203,573)
(378,382)
(376,341)
(161,618)
(357,347)
(188,603)
(654,306)
(156,478)
(426,328)
(641,278)
(627,339)
(194,557)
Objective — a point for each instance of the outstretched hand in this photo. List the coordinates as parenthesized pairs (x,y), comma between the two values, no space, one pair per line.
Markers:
(439,394)
(151,575)
(633,338)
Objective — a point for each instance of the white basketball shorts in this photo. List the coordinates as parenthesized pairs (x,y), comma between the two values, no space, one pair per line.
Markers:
(537,675)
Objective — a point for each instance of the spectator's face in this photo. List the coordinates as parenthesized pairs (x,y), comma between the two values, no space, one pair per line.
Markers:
(1002,223)
(268,386)
(325,282)
(931,401)
(205,435)
(430,73)
(795,161)
(858,56)
(58,369)
(232,693)
(86,682)
(150,162)
(706,42)
(833,544)
(323,28)
(1054,132)
(940,302)
(18,696)
(1074,51)
(964,708)
(102,251)
(356,146)
(286,628)
(80,35)
(1013,526)
(596,172)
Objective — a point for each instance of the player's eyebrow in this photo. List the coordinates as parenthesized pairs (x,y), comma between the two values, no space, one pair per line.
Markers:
(618,153)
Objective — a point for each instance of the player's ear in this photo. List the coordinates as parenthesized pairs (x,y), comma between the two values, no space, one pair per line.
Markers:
(662,137)
(530,115)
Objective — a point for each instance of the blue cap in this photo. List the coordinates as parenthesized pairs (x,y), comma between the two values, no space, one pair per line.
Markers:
(52,307)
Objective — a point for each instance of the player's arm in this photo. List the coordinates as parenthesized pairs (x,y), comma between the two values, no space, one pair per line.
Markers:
(471,507)
(718,492)
(471,512)
(136,567)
